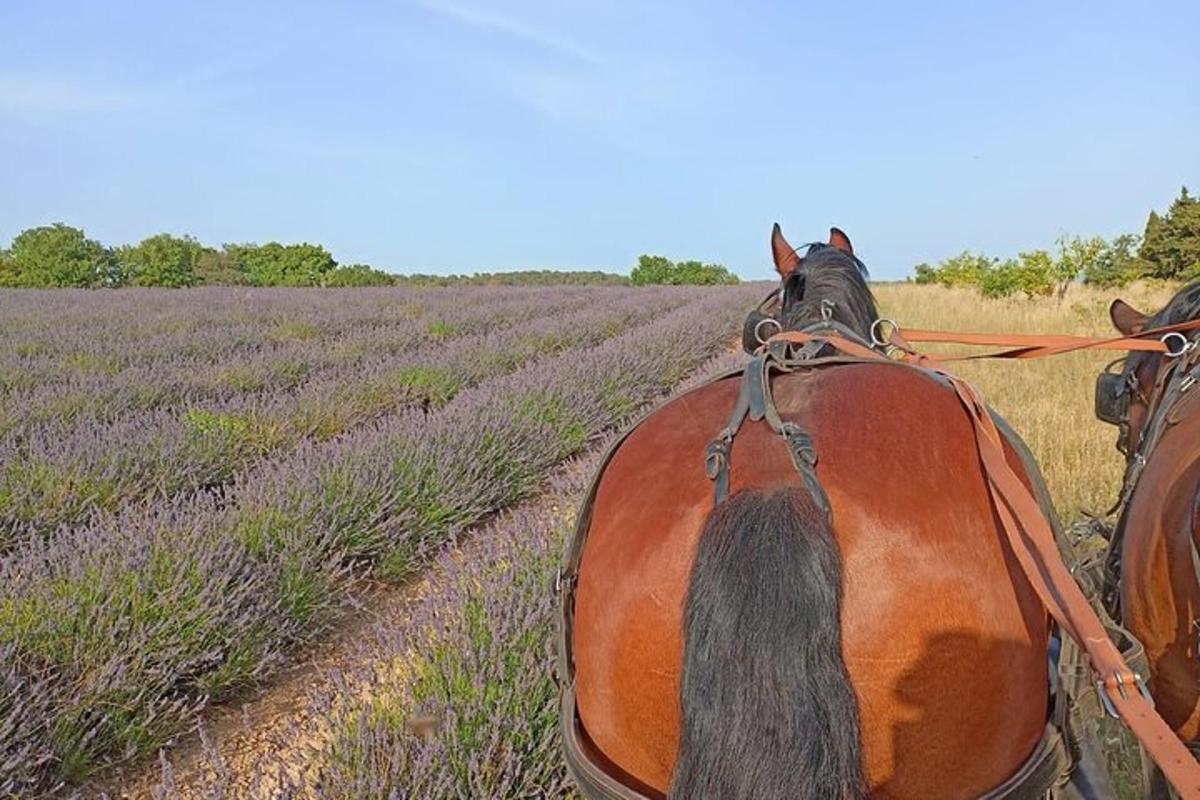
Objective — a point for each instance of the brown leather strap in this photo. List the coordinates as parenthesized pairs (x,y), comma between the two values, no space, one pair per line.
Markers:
(1048,766)
(1032,541)
(847,346)
(1030,346)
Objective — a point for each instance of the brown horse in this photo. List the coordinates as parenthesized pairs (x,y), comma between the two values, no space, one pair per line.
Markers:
(864,630)
(1153,565)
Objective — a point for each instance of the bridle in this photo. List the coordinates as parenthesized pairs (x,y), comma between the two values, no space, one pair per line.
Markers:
(765,320)
(1116,392)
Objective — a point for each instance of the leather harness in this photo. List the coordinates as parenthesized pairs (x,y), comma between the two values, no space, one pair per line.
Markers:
(1092,668)
(1173,381)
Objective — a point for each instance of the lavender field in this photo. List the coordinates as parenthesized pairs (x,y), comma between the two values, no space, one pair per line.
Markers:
(191,482)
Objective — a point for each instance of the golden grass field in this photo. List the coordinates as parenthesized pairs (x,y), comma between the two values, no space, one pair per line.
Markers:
(1048,401)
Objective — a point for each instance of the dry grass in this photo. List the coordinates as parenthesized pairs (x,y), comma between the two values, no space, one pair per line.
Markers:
(1049,401)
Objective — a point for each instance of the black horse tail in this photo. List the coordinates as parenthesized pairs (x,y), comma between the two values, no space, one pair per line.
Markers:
(768,710)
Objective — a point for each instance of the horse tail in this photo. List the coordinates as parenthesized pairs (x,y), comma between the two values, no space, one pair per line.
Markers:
(768,709)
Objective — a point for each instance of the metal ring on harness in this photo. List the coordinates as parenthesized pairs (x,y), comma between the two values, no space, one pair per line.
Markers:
(1185,344)
(877,331)
(758,329)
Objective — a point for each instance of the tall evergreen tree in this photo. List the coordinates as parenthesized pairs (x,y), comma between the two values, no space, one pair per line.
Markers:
(1171,243)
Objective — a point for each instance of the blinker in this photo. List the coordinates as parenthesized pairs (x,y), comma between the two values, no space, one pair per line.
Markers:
(761,323)
(1112,398)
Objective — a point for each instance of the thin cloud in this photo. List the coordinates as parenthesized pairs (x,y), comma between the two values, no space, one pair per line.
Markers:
(500,23)
(26,94)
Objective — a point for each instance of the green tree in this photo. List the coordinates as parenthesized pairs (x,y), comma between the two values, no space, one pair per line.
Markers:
(59,255)
(925,274)
(8,271)
(1031,273)
(1075,256)
(358,275)
(1117,264)
(162,260)
(1036,273)
(219,268)
(697,273)
(964,269)
(1171,243)
(275,264)
(1184,224)
(999,280)
(652,270)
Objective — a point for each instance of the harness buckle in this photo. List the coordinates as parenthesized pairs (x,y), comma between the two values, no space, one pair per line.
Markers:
(716,456)
(563,581)
(1118,680)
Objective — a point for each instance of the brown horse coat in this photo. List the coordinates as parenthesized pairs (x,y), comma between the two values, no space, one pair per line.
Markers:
(1160,599)
(944,639)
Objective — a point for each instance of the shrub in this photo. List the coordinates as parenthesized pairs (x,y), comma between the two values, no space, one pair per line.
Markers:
(925,274)
(1117,264)
(357,275)
(161,260)
(275,264)
(9,276)
(659,270)
(58,255)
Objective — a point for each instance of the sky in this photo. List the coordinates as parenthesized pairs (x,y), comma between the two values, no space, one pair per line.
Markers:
(463,135)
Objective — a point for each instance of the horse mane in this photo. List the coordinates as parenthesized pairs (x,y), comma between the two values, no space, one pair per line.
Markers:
(829,281)
(1184,306)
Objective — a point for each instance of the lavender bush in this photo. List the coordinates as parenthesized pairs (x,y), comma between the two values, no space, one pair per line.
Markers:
(57,474)
(119,630)
(80,368)
(459,700)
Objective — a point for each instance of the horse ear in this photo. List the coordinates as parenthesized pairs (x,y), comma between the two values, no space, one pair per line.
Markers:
(1126,318)
(838,239)
(783,253)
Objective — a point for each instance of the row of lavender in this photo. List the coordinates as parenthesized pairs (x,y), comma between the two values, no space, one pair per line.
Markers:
(114,634)
(95,369)
(57,474)
(459,700)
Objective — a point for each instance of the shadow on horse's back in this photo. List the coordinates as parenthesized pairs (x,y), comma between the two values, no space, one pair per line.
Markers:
(942,639)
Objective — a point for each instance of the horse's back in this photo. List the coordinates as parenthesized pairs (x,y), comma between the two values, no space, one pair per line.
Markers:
(944,641)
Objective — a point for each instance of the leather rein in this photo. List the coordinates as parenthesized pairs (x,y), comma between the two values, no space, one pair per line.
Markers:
(1121,690)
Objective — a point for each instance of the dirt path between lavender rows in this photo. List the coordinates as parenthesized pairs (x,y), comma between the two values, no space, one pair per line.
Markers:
(261,734)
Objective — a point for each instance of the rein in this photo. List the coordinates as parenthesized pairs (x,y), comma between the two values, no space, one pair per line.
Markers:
(1122,691)
(1031,346)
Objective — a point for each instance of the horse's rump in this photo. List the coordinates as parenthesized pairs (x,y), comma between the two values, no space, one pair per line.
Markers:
(943,638)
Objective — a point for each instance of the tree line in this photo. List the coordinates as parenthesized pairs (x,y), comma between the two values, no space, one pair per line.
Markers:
(59,255)
(1168,249)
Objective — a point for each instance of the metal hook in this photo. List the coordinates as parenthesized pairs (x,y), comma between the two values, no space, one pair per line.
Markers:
(1184,344)
(758,335)
(877,338)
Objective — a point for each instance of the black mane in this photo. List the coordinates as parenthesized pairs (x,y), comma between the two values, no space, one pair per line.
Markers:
(1184,306)
(829,282)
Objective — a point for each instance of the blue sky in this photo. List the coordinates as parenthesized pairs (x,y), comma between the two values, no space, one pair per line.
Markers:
(462,135)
